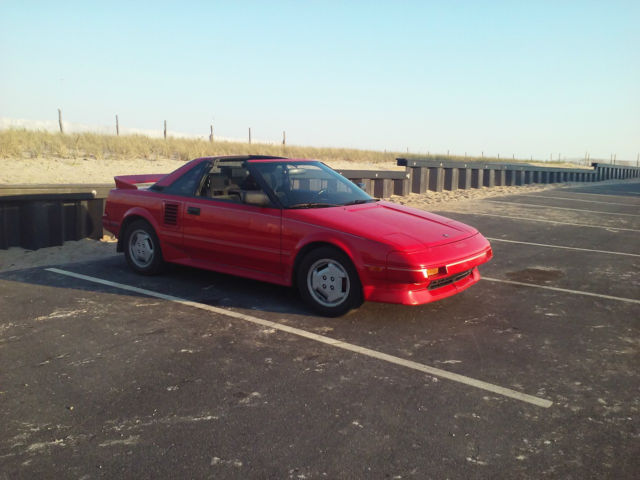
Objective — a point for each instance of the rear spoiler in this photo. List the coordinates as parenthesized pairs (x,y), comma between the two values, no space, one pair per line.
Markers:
(131,182)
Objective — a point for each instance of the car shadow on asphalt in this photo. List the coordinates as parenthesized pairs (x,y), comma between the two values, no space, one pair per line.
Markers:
(201,286)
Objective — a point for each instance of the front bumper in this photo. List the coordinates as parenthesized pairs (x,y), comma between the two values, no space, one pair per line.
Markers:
(411,294)
(412,283)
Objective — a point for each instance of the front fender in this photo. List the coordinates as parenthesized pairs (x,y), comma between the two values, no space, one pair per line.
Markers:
(362,252)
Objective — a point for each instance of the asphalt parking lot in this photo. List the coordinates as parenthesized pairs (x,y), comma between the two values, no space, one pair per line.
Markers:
(531,373)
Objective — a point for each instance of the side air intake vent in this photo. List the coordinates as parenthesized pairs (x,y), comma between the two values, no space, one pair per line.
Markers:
(171,213)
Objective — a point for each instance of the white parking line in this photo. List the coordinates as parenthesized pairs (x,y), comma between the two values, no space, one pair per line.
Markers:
(506,392)
(564,290)
(554,221)
(535,205)
(578,200)
(603,193)
(563,247)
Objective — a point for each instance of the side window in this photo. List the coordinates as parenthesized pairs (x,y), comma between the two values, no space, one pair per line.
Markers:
(228,182)
(187,184)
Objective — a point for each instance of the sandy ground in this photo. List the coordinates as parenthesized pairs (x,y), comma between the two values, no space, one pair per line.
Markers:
(88,170)
(68,171)
(17,258)
(431,200)
(65,170)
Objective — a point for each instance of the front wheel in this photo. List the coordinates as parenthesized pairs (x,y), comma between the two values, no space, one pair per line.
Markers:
(142,248)
(328,282)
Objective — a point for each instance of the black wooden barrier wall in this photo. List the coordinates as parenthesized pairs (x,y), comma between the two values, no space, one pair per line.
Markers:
(36,216)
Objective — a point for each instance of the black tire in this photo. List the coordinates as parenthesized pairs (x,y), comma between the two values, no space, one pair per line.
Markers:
(328,282)
(142,248)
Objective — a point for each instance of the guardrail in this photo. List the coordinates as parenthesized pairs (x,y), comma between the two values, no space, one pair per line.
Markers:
(380,183)
(437,175)
(36,216)
(604,171)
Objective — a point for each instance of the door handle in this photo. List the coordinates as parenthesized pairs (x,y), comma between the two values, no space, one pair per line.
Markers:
(193,210)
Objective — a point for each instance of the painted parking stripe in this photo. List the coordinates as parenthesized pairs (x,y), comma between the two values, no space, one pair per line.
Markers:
(563,247)
(535,205)
(556,222)
(563,290)
(506,392)
(578,200)
(604,193)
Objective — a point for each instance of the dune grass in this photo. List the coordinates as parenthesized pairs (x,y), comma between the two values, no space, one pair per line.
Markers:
(21,143)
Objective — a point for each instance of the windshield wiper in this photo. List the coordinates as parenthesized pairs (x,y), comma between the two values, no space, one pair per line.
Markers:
(362,200)
(313,205)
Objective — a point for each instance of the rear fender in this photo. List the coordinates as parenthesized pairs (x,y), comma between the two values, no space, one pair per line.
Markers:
(131,215)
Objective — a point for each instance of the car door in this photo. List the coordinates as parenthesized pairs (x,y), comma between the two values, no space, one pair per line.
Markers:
(228,234)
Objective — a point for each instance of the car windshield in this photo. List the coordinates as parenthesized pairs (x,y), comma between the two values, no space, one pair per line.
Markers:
(309,185)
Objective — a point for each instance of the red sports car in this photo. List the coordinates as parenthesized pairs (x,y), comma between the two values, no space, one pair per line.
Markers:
(292,222)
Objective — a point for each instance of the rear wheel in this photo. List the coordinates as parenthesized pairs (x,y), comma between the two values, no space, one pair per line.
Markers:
(328,282)
(142,248)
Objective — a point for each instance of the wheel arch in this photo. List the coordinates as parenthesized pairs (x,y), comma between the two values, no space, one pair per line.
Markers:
(129,217)
(313,245)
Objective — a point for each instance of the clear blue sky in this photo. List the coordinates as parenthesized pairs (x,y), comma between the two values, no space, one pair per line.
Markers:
(523,78)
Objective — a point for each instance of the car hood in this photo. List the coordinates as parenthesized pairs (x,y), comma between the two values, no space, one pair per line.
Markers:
(401,227)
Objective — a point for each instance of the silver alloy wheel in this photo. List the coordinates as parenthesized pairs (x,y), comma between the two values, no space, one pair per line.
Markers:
(328,282)
(141,249)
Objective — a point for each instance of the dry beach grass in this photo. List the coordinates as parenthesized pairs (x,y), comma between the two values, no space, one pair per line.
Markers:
(28,156)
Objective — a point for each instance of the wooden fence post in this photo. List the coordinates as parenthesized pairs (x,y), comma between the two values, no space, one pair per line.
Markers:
(165,129)
(60,121)
(284,137)
(117,126)
(211,135)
